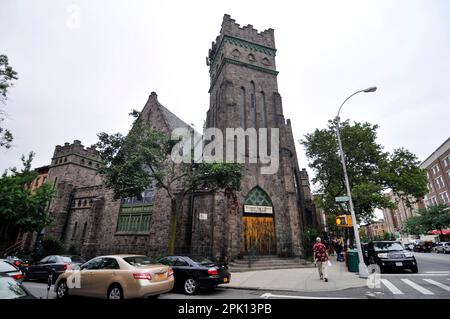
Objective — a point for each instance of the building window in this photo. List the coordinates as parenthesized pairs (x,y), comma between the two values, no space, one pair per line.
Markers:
(447,161)
(74,230)
(84,231)
(242,108)
(134,219)
(448,174)
(439,182)
(435,169)
(253,104)
(444,197)
(263,111)
(136,212)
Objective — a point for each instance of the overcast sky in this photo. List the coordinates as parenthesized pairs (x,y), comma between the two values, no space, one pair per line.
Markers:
(78,79)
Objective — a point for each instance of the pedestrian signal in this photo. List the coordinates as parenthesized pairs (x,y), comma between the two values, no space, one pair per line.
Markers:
(344,221)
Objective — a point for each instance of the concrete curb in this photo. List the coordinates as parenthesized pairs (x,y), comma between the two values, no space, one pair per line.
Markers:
(288,290)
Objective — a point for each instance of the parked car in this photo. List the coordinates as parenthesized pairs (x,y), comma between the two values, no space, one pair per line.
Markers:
(390,255)
(20,261)
(409,246)
(443,247)
(54,265)
(8,269)
(194,273)
(13,289)
(423,246)
(116,277)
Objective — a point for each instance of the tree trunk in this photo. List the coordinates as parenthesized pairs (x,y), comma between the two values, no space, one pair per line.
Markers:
(176,206)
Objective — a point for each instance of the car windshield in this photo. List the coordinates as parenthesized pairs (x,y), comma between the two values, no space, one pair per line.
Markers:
(387,246)
(4,267)
(138,261)
(10,289)
(201,260)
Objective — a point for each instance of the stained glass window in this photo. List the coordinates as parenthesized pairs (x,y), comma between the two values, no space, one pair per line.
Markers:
(258,197)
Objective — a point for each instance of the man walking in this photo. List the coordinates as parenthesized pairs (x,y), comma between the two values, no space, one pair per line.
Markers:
(321,258)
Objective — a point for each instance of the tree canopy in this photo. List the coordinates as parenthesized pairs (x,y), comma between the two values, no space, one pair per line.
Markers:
(19,204)
(142,158)
(431,218)
(7,76)
(371,170)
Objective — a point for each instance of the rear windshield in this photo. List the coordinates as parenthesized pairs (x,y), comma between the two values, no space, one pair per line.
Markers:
(10,289)
(388,246)
(138,261)
(72,259)
(4,266)
(201,260)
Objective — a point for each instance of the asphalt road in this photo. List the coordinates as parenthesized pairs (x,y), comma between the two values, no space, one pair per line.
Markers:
(432,281)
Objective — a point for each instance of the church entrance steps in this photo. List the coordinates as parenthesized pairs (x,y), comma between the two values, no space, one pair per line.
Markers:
(266,263)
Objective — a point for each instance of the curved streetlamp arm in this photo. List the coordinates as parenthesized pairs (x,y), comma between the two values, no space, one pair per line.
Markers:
(346,101)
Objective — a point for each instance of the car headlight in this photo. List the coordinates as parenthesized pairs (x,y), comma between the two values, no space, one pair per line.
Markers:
(408,254)
(382,255)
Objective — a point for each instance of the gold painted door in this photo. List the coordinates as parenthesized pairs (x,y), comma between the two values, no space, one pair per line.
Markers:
(259,235)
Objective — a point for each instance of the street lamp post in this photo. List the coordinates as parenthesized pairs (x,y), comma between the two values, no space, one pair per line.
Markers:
(363,272)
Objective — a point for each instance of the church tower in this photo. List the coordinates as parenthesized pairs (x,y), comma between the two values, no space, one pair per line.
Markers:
(244,93)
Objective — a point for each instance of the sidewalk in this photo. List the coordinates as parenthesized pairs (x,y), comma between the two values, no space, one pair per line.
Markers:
(301,279)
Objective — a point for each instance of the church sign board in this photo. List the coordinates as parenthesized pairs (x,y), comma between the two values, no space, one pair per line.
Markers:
(254,209)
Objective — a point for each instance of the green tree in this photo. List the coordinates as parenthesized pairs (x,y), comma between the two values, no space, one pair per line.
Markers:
(371,170)
(142,158)
(21,206)
(432,218)
(7,76)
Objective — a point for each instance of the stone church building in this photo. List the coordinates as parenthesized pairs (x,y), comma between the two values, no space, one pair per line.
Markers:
(274,209)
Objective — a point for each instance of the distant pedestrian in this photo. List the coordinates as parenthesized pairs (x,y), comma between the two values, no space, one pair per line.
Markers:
(338,249)
(321,258)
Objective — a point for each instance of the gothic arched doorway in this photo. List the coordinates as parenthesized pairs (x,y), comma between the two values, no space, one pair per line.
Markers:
(258,224)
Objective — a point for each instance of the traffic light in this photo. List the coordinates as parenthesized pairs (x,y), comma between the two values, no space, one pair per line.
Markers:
(344,221)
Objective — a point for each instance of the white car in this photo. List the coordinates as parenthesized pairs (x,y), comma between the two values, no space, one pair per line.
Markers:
(443,247)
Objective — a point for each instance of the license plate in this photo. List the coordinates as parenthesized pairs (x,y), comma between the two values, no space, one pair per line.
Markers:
(399,264)
(225,279)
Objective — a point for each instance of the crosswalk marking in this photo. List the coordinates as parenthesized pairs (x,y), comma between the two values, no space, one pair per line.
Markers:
(445,287)
(417,287)
(437,272)
(391,287)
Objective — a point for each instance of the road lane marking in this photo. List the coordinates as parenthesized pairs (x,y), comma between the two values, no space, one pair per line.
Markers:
(445,287)
(268,295)
(391,287)
(417,287)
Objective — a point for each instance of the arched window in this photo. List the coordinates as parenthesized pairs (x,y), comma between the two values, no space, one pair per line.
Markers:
(258,197)
(242,109)
(84,231)
(74,230)
(263,110)
(253,104)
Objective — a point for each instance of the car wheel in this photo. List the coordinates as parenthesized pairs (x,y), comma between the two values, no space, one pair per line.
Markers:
(415,270)
(115,292)
(190,286)
(62,291)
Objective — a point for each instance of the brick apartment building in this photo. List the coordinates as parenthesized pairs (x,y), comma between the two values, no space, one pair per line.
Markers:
(438,174)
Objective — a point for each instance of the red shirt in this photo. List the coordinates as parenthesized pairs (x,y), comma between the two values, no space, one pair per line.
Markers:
(320,252)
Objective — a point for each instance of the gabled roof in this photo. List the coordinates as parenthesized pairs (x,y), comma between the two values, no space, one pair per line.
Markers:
(171,119)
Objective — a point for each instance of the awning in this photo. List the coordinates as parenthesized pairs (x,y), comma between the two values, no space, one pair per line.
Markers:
(444,232)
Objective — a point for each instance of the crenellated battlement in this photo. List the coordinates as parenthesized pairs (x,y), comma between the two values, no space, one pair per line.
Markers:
(76,148)
(230,27)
